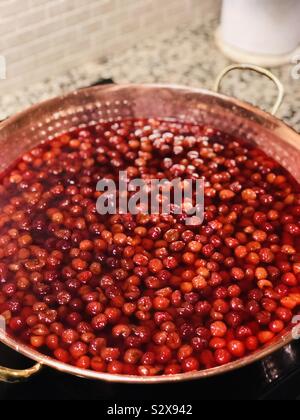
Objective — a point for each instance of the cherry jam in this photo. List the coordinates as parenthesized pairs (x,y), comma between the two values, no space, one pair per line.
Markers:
(146,294)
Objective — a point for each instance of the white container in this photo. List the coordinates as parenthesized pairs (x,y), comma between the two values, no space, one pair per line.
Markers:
(264,32)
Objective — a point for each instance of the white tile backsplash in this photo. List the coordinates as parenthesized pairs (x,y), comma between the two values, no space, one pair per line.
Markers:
(47,37)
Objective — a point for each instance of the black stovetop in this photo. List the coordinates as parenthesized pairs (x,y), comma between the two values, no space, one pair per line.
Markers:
(275,378)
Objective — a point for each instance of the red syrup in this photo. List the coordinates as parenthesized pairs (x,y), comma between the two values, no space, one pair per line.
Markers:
(146,294)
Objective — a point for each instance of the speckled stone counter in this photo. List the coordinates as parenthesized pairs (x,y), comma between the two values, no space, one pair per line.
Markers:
(185,55)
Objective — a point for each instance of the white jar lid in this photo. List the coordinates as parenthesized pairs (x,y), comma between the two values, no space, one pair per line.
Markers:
(261,27)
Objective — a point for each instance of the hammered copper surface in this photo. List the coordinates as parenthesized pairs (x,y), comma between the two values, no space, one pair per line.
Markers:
(44,121)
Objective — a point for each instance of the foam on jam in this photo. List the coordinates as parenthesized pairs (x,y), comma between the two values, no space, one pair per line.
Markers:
(147,295)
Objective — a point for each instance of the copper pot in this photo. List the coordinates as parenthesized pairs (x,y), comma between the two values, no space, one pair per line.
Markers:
(44,121)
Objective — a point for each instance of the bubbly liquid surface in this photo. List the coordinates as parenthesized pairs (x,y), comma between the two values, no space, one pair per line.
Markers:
(147,295)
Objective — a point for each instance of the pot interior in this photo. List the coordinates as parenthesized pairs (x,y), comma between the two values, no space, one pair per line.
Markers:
(110,103)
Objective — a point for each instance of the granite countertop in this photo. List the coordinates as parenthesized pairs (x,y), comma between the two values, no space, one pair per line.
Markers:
(185,55)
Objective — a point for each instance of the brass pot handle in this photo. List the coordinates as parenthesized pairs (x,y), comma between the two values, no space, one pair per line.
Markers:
(259,70)
(13,376)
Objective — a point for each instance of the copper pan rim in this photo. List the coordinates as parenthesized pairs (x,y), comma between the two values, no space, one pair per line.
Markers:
(279,128)
(105,377)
